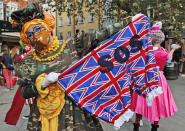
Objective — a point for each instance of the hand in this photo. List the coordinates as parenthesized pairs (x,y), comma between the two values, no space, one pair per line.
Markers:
(50,78)
(129,17)
(175,46)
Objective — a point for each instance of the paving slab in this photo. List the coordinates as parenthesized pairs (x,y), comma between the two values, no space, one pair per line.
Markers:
(175,123)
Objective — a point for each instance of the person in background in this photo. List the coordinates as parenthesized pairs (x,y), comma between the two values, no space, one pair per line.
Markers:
(177,52)
(13,114)
(2,81)
(163,106)
(15,60)
(6,70)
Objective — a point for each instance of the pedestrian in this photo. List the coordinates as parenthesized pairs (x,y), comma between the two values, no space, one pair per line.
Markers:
(15,61)
(13,114)
(7,69)
(2,80)
(177,53)
(163,105)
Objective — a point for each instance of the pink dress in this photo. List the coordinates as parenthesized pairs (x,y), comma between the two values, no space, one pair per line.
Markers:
(164,104)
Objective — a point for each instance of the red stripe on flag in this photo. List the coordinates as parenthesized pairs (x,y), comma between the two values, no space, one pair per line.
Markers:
(144,32)
(132,28)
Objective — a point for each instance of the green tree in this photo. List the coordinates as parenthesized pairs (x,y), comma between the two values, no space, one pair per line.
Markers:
(170,12)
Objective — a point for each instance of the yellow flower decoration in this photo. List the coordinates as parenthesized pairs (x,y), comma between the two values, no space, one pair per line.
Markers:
(52,48)
(14,23)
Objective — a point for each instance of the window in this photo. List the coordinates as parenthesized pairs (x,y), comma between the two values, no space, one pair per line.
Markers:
(80,19)
(69,20)
(60,22)
(68,34)
(80,1)
(91,17)
(91,30)
(90,1)
(60,37)
(77,31)
(69,5)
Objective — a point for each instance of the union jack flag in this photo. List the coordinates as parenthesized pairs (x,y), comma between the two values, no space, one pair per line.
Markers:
(100,82)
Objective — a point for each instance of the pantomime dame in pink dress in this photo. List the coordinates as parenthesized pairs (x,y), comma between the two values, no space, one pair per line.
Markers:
(163,106)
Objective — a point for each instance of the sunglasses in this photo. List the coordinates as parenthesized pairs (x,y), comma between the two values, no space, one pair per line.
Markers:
(36,30)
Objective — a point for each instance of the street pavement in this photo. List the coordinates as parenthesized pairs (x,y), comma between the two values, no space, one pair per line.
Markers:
(174,123)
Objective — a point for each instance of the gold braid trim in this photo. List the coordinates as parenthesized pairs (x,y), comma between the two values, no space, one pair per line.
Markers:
(51,49)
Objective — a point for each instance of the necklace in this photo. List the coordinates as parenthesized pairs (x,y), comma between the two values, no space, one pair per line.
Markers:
(52,48)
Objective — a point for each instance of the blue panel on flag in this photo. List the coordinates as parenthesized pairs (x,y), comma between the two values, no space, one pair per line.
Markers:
(86,83)
(80,75)
(122,82)
(97,97)
(126,34)
(116,69)
(77,93)
(76,69)
(112,92)
(102,78)
(139,26)
(91,63)
(91,89)
(126,99)
(119,105)
(65,84)
(140,61)
(105,53)
(88,108)
(144,41)
(151,74)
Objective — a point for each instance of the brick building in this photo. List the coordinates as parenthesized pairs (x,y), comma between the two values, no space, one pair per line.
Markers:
(68,25)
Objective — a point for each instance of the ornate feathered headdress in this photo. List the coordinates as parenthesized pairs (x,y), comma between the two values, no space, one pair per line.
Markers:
(30,15)
(27,13)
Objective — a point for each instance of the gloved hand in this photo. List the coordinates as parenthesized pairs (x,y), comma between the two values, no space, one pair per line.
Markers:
(175,46)
(136,16)
(50,78)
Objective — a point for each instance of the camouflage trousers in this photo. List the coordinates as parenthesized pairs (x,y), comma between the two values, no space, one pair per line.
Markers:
(71,118)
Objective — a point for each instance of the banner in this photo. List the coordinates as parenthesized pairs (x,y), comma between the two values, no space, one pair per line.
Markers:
(100,82)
